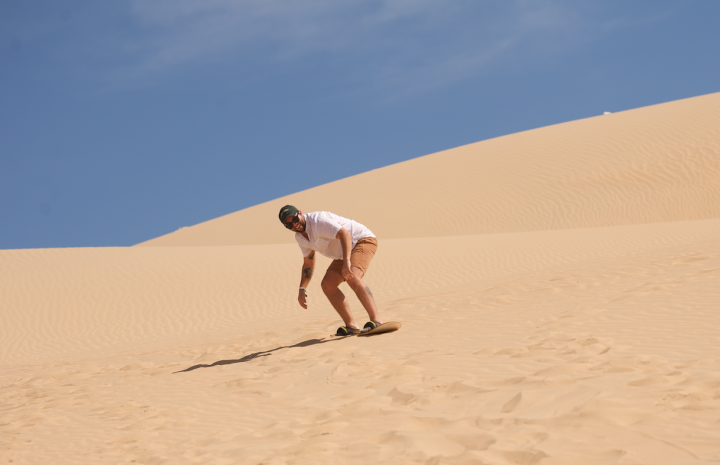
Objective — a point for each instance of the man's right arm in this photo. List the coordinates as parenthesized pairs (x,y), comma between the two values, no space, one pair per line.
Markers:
(307,272)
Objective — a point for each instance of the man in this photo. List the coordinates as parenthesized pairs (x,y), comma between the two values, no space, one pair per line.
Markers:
(351,246)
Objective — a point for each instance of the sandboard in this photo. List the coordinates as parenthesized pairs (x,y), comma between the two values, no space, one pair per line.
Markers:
(383,328)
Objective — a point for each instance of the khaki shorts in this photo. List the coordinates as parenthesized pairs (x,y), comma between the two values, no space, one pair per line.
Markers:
(360,256)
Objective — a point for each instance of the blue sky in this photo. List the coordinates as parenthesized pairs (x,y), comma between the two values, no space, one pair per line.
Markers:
(122,121)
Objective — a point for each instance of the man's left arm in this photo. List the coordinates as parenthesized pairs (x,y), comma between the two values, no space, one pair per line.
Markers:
(346,242)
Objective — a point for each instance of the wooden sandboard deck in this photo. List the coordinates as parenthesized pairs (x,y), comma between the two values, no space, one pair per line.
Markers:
(383,328)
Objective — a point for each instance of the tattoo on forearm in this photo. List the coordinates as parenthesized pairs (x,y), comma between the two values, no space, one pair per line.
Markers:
(312,255)
(368,291)
(308,272)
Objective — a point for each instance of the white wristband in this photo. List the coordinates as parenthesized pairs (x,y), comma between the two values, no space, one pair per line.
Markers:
(302,288)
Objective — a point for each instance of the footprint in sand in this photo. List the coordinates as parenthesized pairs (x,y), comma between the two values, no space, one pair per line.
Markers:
(512,403)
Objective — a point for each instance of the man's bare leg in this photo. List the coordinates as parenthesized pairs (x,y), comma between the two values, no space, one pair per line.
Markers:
(363,293)
(329,285)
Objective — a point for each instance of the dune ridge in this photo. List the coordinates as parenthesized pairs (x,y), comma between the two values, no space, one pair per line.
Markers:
(570,319)
(649,165)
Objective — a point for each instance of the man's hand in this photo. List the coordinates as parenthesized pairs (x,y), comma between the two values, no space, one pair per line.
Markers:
(347,273)
(301,298)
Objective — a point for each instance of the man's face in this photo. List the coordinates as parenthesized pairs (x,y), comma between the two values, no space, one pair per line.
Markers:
(297,222)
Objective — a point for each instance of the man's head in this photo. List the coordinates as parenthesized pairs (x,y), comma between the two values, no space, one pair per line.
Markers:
(292,218)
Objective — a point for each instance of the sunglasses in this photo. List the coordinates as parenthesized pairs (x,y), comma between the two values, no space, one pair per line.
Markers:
(291,224)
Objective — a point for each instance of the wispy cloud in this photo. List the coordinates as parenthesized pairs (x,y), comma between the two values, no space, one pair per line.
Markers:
(413,45)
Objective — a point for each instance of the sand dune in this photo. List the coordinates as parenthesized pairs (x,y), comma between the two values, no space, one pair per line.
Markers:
(649,165)
(575,322)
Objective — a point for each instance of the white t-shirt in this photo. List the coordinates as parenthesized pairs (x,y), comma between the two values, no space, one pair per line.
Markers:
(322,227)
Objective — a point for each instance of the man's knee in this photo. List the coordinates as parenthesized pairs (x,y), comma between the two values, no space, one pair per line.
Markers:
(329,283)
(326,285)
(356,282)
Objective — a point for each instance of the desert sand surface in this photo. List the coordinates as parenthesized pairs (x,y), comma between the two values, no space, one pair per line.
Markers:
(559,291)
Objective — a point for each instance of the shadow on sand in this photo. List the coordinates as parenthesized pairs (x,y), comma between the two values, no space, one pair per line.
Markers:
(264,353)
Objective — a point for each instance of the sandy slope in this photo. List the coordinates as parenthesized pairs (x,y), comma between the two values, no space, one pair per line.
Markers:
(652,164)
(578,345)
(574,346)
